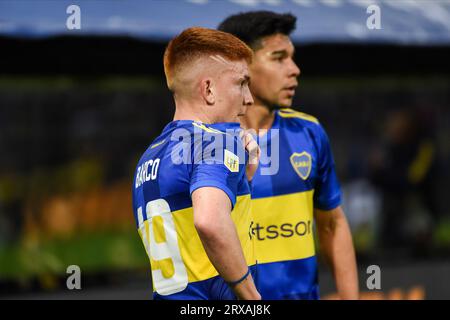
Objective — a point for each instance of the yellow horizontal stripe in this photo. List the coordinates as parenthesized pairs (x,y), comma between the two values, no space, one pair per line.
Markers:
(283,227)
(194,256)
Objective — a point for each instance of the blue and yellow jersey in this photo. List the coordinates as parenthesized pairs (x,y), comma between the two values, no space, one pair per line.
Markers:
(285,192)
(187,156)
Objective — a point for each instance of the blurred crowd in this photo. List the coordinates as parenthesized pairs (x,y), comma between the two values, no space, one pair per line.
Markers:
(68,155)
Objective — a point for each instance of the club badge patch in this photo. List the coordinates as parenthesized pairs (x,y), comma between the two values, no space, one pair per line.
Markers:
(301,162)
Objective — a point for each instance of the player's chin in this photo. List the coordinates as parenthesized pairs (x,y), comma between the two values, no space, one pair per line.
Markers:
(285,102)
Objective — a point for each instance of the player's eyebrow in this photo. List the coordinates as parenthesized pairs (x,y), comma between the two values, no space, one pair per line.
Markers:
(278,53)
(282,53)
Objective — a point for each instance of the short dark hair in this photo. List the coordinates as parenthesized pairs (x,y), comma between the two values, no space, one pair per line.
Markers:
(252,26)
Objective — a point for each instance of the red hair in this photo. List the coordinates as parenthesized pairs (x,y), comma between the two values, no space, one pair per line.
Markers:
(196,41)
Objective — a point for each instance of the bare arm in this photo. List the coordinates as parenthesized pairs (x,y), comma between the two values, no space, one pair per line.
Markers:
(254,154)
(337,247)
(212,219)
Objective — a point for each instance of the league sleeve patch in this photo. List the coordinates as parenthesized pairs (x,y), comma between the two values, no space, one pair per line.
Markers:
(231,161)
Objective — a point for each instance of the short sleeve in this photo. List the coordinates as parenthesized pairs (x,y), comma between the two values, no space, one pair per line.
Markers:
(327,194)
(215,165)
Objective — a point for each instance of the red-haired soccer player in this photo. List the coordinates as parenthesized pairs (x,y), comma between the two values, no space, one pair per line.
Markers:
(191,195)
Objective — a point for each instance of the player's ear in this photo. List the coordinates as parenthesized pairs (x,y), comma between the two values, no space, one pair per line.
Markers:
(207,91)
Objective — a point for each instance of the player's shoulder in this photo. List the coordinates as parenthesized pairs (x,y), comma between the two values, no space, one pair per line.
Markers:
(296,118)
(178,133)
(225,133)
(294,121)
(195,130)
(205,128)
(190,138)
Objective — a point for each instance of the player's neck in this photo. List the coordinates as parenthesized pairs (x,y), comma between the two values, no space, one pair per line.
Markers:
(258,117)
(188,113)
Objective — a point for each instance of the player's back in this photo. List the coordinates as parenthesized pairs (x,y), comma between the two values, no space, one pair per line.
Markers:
(173,166)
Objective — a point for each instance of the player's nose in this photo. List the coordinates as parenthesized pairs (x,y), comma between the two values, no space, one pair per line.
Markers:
(248,98)
(294,70)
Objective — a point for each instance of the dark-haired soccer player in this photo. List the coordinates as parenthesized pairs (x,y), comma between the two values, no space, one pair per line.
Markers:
(289,192)
(191,196)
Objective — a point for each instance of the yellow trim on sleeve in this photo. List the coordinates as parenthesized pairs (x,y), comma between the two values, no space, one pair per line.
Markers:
(158,144)
(203,127)
(291,113)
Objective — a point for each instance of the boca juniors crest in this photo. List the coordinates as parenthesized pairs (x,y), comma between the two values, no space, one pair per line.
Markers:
(301,162)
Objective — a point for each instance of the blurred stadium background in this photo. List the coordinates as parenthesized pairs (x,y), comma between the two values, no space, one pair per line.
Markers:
(78,107)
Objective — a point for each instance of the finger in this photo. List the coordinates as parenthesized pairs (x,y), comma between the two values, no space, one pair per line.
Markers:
(241,134)
(254,152)
(248,138)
